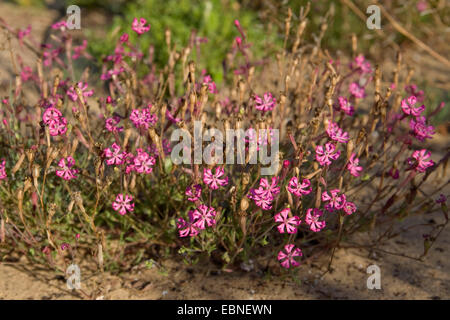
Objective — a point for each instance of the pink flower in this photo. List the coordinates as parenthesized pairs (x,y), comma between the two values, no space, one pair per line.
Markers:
(345,106)
(287,224)
(124,38)
(83,87)
(51,55)
(143,162)
(420,162)
(353,165)
(265,193)
(143,118)
(57,124)
(422,5)
(335,201)
(111,124)
(213,180)
(187,228)
(51,115)
(61,25)
(268,189)
(211,84)
(115,155)
(361,62)
(194,192)
(80,50)
(336,133)
(394,173)
(420,128)
(263,201)
(287,258)
(408,106)
(66,172)
(65,246)
(349,207)
(266,104)
(413,90)
(2,169)
(297,188)
(58,127)
(139,26)
(442,199)
(323,156)
(312,219)
(123,204)
(203,216)
(356,90)
(23,33)
(26,73)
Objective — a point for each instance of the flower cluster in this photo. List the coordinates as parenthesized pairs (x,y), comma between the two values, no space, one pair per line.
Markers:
(265,193)
(200,218)
(143,118)
(56,123)
(336,201)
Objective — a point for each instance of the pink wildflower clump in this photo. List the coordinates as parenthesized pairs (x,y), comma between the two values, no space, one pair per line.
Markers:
(56,123)
(409,106)
(353,165)
(267,103)
(345,106)
(336,133)
(312,219)
(286,258)
(140,26)
(123,204)
(143,118)
(115,155)
(325,155)
(194,192)
(335,201)
(265,193)
(297,188)
(213,180)
(287,224)
(3,169)
(356,90)
(419,162)
(83,87)
(111,124)
(66,172)
(420,129)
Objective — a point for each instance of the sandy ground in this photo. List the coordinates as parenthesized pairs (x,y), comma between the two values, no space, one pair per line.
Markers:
(401,278)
